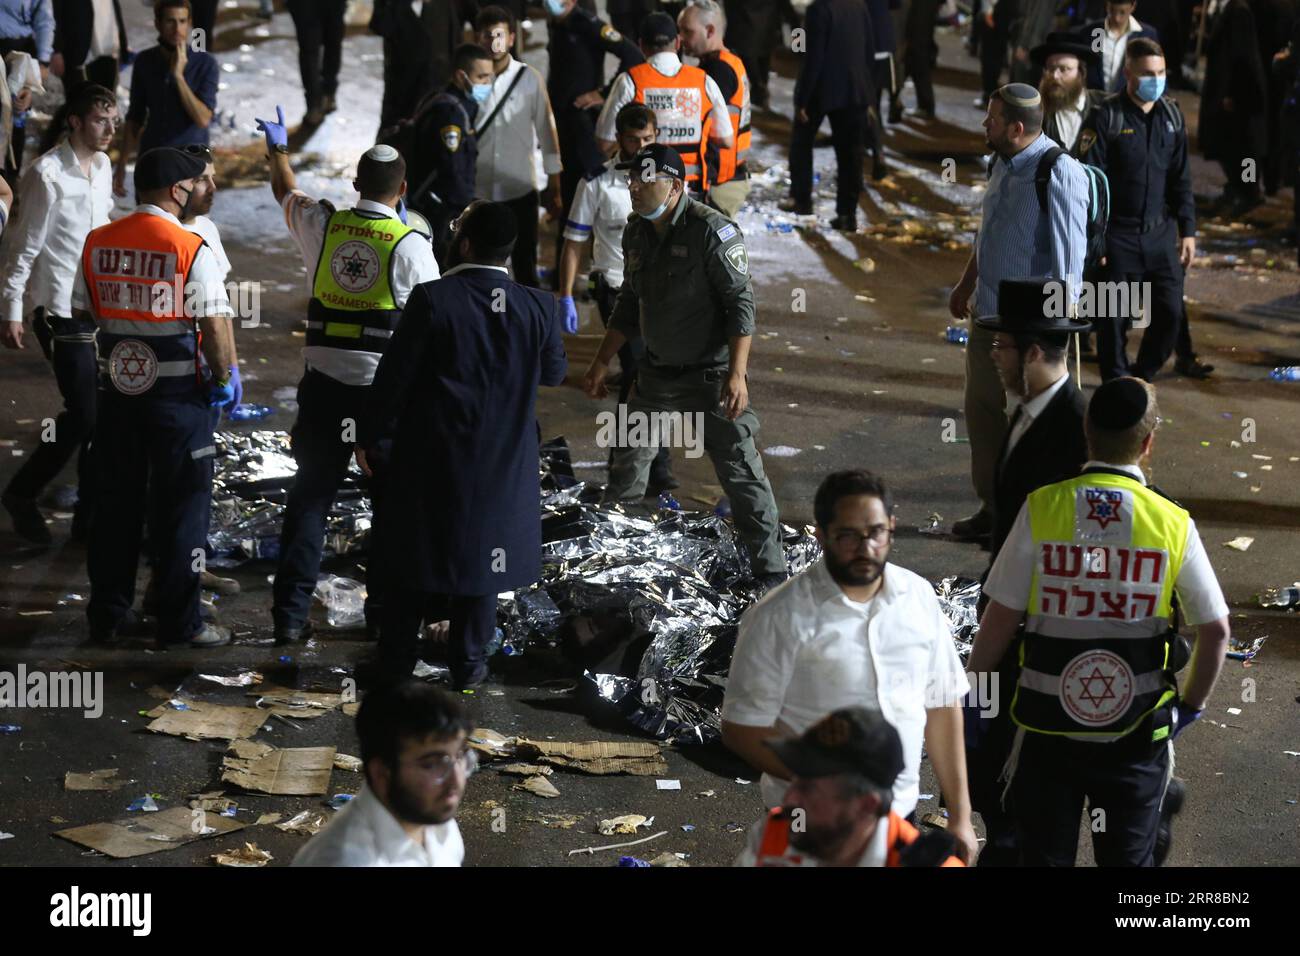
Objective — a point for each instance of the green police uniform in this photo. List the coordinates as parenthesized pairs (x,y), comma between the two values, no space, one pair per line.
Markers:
(687,294)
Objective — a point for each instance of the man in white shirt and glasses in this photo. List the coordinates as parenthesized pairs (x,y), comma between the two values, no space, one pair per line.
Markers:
(512,124)
(852,630)
(416,761)
(66,193)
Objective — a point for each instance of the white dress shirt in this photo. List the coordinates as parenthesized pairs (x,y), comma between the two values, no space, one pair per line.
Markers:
(623,91)
(1070,121)
(103,35)
(506,167)
(805,650)
(204,274)
(599,211)
(1112,55)
(365,833)
(412,263)
(1199,596)
(876,853)
(40,256)
(1030,410)
(207,229)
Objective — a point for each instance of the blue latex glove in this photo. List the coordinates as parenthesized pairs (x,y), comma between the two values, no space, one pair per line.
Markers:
(221,395)
(1184,718)
(238,387)
(276,134)
(570,314)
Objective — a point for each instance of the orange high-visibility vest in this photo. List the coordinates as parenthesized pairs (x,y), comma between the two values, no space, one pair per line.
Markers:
(775,841)
(723,162)
(681,106)
(137,276)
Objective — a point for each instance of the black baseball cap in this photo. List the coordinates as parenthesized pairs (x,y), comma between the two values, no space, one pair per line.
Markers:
(852,740)
(657,29)
(166,166)
(662,159)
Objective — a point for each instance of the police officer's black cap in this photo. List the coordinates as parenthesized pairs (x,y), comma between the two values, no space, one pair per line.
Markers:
(852,740)
(655,159)
(1062,42)
(1032,307)
(166,166)
(1118,404)
(657,29)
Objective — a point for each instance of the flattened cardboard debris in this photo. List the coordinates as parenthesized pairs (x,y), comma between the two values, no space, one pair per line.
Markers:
(296,771)
(350,709)
(539,786)
(208,721)
(94,780)
(299,704)
(491,743)
(668,859)
(636,757)
(141,835)
(527,769)
(627,823)
(247,855)
(213,801)
(307,823)
(267,818)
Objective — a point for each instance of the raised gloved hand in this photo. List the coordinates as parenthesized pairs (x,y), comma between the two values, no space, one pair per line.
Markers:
(1184,717)
(276,134)
(569,312)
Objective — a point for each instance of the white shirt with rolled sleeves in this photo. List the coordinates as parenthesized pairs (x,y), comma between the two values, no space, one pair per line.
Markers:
(1200,599)
(205,274)
(40,254)
(412,264)
(805,650)
(623,91)
(506,166)
(365,833)
(599,212)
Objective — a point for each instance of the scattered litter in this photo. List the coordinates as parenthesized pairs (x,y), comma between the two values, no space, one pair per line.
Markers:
(866,265)
(1245,650)
(1238,474)
(136,837)
(618,846)
(247,855)
(347,762)
(933,524)
(1281,597)
(538,786)
(207,721)
(935,820)
(628,823)
(246,679)
(668,785)
(526,769)
(640,758)
(94,780)
(707,793)
(299,704)
(34,613)
(6,836)
(688,827)
(734,828)
(556,821)
(425,671)
(743,782)
(631,861)
(340,800)
(926,796)
(10,728)
(301,771)
(781,451)
(215,801)
(1239,544)
(267,818)
(670,859)
(1234,711)
(344,600)
(145,804)
(308,822)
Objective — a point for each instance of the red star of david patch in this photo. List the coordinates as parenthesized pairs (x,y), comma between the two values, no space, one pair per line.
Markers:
(1104,507)
(1107,687)
(133,366)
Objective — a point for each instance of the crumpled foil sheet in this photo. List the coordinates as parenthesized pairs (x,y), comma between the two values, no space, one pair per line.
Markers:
(958,599)
(252,472)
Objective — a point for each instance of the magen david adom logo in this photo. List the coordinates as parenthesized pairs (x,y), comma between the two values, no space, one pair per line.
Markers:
(1097,687)
(132,367)
(355,266)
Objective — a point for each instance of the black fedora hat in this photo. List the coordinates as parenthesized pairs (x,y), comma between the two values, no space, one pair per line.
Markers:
(1062,42)
(1032,306)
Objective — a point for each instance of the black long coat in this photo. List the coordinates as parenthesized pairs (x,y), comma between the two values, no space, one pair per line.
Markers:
(1233,70)
(456,393)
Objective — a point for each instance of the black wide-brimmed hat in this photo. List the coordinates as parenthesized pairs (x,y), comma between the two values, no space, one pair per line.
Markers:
(1062,42)
(1032,306)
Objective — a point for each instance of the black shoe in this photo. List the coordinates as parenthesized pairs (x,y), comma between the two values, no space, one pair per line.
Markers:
(131,625)
(790,204)
(476,678)
(1192,368)
(845,223)
(979,525)
(286,635)
(658,484)
(895,115)
(879,170)
(328,104)
(29,523)
(79,533)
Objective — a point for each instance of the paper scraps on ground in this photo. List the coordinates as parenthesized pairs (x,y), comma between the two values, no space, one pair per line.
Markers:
(139,836)
(298,704)
(94,780)
(247,855)
(207,721)
(1239,544)
(347,762)
(214,801)
(490,742)
(668,785)
(307,823)
(640,758)
(245,679)
(538,786)
(628,823)
(556,821)
(297,771)
(668,859)
(526,769)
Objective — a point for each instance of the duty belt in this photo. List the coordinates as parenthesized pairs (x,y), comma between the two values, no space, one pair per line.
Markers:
(1141,229)
(678,370)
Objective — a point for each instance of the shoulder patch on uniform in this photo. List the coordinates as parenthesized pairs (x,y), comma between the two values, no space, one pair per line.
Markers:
(1086,139)
(451,137)
(739,258)
(609,34)
(727,231)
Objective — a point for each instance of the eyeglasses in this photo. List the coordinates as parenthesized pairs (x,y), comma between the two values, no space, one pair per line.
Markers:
(1060,69)
(635,180)
(876,535)
(439,766)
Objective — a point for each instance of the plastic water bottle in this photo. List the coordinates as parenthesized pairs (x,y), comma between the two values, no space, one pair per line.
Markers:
(344,600)
(1280,597)
(248,413)
(494,645)
(668,502)
(957,335)
(1287,373)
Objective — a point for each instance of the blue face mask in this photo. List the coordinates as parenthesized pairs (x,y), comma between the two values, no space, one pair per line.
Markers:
(655,214)
(555,7)
(1150,88)
(480,91)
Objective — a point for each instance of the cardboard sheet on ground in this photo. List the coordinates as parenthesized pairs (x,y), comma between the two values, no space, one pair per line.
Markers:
(141,835)
(208,721)
(296,704)
(298,771)
(94,780)
(636,757)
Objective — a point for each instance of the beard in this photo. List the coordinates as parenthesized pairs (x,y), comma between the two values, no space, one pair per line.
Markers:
(406,806)
(821,842)
(856,572)
(1059,96)
(1014,381)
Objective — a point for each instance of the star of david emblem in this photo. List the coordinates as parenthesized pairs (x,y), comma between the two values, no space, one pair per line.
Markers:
(1107,687)
(354,267)
(134,366)
(1104,507)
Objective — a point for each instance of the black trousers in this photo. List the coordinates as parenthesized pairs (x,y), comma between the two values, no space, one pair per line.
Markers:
(993,52)
(1135,258)
(325,406)
(77,376)
(750,28)
(580,156)
(405,85)
(1053,780)
(873,124)
(523,261)
(847,136)
(918,63)
(319,25)
(153,461)
(473,625)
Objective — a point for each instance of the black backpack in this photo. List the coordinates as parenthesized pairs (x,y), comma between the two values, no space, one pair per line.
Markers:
(1098,202)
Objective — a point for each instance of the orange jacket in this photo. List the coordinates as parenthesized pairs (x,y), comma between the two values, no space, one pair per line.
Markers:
(723,161)
(775,843)
(682,111)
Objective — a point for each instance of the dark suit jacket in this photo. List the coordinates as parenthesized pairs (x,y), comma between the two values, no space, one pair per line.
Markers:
(1052,450)
(456,392)
(74,20)
(1094,68)
(839,58)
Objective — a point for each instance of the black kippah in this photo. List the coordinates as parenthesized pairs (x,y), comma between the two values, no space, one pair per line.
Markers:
(490,226)
(1118,404)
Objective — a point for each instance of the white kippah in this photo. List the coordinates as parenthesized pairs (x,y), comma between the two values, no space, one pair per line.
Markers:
(381,153)
(1021,94)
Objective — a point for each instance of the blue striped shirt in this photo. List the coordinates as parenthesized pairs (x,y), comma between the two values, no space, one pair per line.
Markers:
(29,18)
(1017,240)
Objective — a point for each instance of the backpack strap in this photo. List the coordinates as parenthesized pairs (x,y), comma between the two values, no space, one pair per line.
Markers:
(1044,174)
(1174,114)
